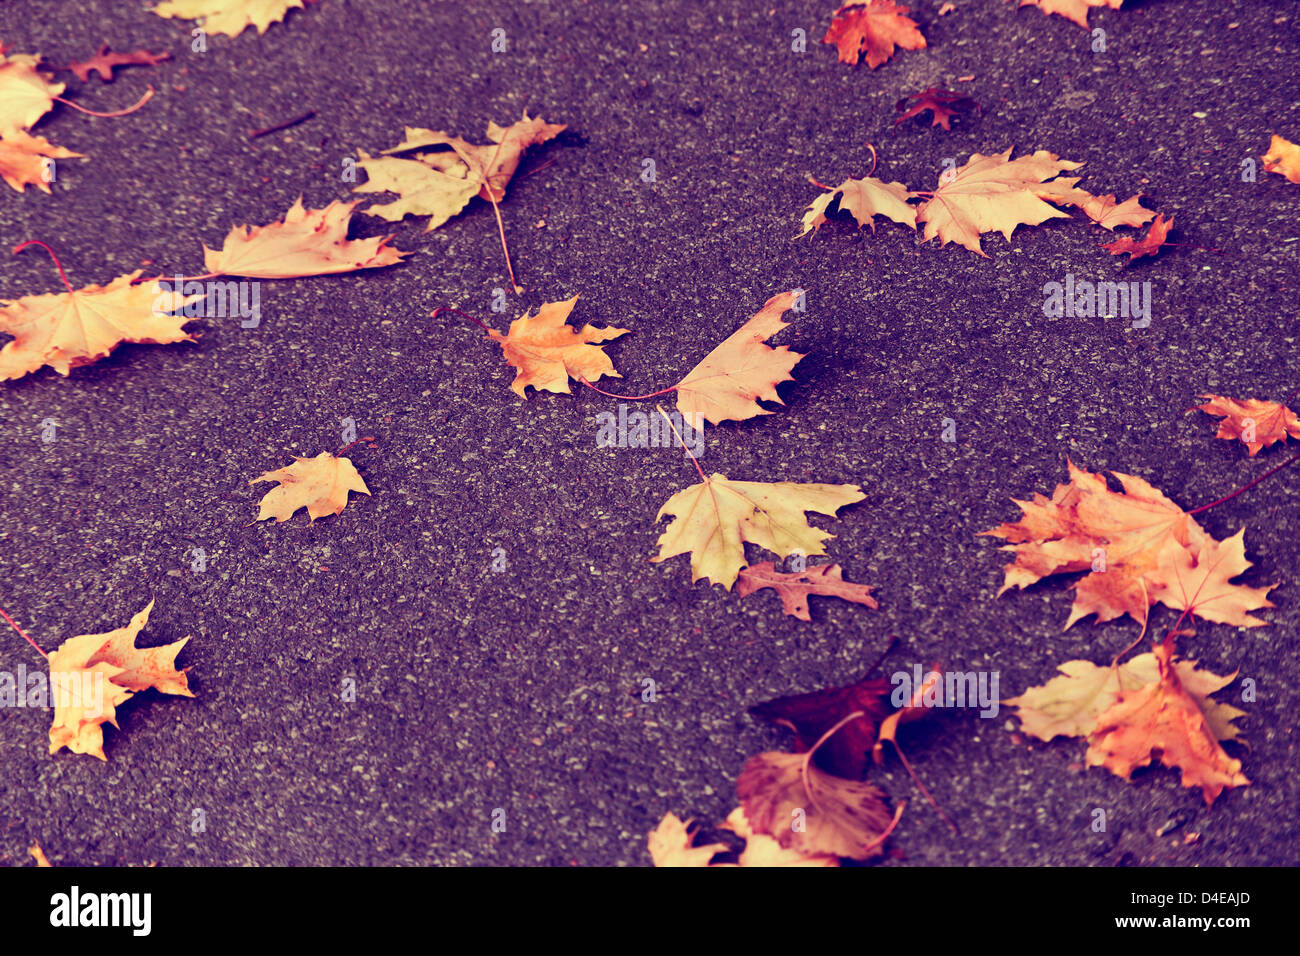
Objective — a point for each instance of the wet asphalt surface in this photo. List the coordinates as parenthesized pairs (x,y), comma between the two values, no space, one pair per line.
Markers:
(521,690)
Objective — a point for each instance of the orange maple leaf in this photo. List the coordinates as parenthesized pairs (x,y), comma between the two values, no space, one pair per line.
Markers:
(871,30)
(319,484)
(1283,158)
(1255,423)
(744,370)
(547,352)
(794,588)
(1139,547)
(1148,245)
(1163,719)
(307,242)
(25,160)
(67,329)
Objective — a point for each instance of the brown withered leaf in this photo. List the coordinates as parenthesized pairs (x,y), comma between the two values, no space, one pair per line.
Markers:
(795,587)
(942,104)
(104,63)
(1148,245)
(812,715)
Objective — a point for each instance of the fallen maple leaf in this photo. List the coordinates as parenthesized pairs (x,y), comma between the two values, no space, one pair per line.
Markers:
(1076,11)
(795,588)
(865,198)
(1283,158)
(25,160)
(670,844)
(744,370)
(871,30)
(1124,540)
(547,352)
(1070,704)
(991,193)
(1163,718)
(68,329)
(1255,423)
(319,484)
(447,171)
(26,94)
(715,517)
(230,17)
(942,104)
(104,63)
(82,668)
(812,715)
(307,242)
(1148,245)
(1105,212)
(763,850)
(805,809)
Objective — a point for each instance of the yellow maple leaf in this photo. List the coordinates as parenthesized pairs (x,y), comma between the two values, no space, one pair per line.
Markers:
(230,17)
(865,198)
(24,160)
(307,242)
(670,844)
(90,675)
(991,193)
(1163,718)
(547,352)
(1076,11)
(446,172)
(26,94)
(1255,423)
(67,329)
(319,484)
(714,519)
(1283,158)
(728,384)
(763,850)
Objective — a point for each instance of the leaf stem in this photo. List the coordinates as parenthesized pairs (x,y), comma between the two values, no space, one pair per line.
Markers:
(695,461)
(36,242)
(446,308)
(126,112)
(1272,471)
(24,634)
(630,398)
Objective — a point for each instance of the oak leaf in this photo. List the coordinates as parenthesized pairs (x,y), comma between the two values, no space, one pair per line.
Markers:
(104,63)
(714,519)
(25,160)
(307,242)
(840,817)
(446,172)
(547,352)
(1070,703)
(26,94)
(794,588)
(1163,719)
(731,380)
(871,30)
(991,193)
(82,668)
(229,17)
(67,329)
(1283,158)
(1148,245)
(1124,540)
(942,104)
(319,484)
(865,198)
(1255,423)
(1076,11)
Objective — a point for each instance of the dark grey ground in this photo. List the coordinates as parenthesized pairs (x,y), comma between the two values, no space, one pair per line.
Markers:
(521,690)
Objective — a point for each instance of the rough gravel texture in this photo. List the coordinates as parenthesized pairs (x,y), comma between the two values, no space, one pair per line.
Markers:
(521,690)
